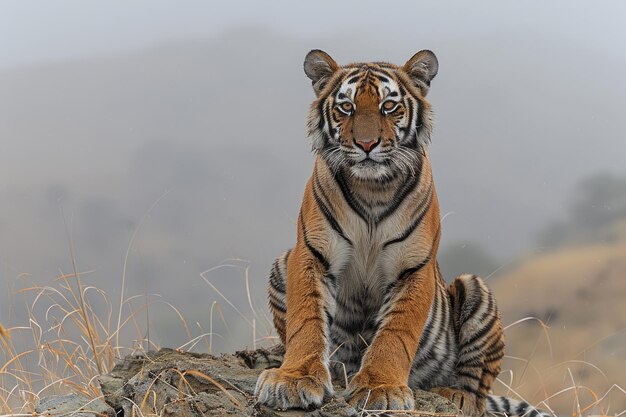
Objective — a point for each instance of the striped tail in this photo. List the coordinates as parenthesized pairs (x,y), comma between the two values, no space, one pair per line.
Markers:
(505,406)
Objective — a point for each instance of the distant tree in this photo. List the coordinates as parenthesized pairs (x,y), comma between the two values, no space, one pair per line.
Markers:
(599,200)
(465,258)
(596,208)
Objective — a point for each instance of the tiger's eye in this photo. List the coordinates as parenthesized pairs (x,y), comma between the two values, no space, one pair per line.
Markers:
(389,105)
(347,107)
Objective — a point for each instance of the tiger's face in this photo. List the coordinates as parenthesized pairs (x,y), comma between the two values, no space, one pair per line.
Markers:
(370,119)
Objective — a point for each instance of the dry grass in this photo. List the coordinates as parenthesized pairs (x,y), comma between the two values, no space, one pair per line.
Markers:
(579,292)
(64,346)
(72,336)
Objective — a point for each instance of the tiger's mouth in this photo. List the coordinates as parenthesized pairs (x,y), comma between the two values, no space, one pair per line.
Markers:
(386,163)
(371,169)
(368,162)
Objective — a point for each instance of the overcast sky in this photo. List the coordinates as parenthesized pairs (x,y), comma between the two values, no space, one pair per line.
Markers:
(35,31)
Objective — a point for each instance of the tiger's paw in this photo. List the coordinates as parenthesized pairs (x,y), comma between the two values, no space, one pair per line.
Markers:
(468,403)
(367,396)
(283,389)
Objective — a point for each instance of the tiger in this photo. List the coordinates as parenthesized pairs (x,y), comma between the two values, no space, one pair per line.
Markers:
(361,293)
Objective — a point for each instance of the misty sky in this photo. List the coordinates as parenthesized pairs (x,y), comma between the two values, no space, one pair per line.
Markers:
(36,31)
(108,107)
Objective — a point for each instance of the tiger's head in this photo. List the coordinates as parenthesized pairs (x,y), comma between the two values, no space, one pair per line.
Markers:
(370,119)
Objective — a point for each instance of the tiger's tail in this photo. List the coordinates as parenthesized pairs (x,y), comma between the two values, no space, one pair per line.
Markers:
(505,406)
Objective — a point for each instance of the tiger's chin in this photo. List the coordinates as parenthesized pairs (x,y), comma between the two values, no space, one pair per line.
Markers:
(369,170)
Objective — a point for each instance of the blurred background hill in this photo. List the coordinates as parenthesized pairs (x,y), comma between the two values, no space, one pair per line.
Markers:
(177,134)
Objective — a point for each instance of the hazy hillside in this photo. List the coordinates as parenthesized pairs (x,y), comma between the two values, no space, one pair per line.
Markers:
(579,292)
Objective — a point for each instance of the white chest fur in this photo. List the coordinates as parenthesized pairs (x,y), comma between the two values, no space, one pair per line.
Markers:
(364,267)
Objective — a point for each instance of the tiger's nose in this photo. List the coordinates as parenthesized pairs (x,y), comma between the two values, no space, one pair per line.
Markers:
(367,146)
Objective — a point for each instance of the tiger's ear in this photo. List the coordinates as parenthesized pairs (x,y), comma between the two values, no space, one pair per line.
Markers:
(422,68)
(319,67)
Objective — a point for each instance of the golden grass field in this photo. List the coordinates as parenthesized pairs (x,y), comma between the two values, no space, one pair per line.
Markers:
(577,355)
(564,312)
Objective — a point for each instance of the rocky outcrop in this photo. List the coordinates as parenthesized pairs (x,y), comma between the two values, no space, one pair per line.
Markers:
(74,405)
(171,383)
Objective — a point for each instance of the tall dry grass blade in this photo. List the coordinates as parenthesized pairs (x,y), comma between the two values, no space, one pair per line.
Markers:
(148,390)
(83,309)
(130,245)
(544,327)
(222,295)
(145,289)
(577,399)
(193,342)
(211,327)
(15,358)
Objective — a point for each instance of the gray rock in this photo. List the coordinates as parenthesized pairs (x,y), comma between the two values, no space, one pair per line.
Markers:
(431,403)
(171,383)
(74,405)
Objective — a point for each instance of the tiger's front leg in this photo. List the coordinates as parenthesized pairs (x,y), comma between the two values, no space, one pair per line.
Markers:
(382,381)
(303,379)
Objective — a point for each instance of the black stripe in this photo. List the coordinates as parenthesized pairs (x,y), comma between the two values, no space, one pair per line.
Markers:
(468,375)
(494,357)
(407,272)
(474,302)
(348,326)
(473,362)
(472,390)
(403,192)
(420,114)
(275,281)
(479,334)
(349,197)
(507,405)
(326,114)
(277,306)
(491,310)
(427,341)
(460,290)
(522,409)
(329,217)
(353,308)
(310,247)
(492,404)
(332,279)
(413,143)
(409,230)
(382,74)
(411,116)
(495,348)
(329,318)
(320,110)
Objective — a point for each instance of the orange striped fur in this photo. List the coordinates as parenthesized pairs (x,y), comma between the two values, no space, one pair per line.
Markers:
(361,288)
